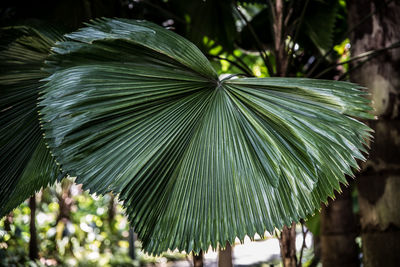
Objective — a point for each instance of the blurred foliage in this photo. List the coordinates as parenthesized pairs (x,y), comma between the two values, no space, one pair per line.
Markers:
(313,224)
(96,233)
(234,30)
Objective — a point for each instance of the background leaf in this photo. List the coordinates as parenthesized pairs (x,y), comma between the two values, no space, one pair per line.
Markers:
(219,25)
(319,23)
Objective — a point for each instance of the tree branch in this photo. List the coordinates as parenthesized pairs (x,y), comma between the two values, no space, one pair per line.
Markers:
(304,231)
(291,50)
(261,51)
(345,35)
(369,54)
(246,71)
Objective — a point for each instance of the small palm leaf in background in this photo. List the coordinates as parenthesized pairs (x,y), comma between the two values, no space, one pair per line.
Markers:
(316,27)
(319,23)
(25,164)
(137,110)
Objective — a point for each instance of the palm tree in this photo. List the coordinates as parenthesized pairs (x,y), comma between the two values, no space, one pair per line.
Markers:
(132,108)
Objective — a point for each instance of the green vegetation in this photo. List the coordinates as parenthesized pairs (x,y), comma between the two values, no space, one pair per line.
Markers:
(205,129)
(93,232)
(134,109)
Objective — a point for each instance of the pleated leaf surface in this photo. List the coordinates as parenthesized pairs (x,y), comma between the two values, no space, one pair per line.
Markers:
(25,162)
(136,109)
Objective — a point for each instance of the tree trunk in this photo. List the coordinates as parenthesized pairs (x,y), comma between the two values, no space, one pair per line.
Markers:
(225,256)
(112,206)
(132,239)
(65,201)
(198,259)
(338,232)
(281,58)
(33,246)
(379,184)
(288,246)
(288,235)
(8,221)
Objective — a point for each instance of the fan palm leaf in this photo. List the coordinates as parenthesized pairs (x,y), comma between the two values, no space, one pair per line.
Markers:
(25,164)
(137,110)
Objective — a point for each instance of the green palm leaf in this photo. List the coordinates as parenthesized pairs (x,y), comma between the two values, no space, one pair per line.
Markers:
(25,163)
(135,109)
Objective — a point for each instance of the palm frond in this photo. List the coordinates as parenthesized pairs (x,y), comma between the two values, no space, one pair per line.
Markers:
(135,109)
(319,24)
(25,163)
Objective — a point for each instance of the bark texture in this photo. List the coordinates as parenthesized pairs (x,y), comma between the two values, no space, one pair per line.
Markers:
(198,259)
(33,246)
(225,256)
(279,42)
(379,184)
(288,246)
(338,232)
